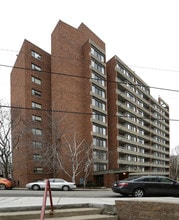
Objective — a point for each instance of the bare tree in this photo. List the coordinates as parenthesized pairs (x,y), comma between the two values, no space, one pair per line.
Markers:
(52,146)
(88,166)
(76,153)
(64,152)
(7,143)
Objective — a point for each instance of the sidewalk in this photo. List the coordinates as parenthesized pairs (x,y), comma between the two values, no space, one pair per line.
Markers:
(34,203)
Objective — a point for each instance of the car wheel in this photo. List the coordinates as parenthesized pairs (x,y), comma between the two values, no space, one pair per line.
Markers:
(35,187)
(2,186)
(138,192)
(65,188)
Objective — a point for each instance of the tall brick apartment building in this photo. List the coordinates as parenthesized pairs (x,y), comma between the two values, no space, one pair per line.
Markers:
(102,102)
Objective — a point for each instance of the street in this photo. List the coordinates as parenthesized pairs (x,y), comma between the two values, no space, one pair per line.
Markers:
(83,193)
(77,193)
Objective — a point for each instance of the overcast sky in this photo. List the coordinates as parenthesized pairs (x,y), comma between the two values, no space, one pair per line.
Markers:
(143,33)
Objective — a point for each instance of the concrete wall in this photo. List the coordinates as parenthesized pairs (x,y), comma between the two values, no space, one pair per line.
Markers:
(153,210)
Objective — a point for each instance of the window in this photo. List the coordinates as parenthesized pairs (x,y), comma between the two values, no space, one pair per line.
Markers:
(98,91)
(140,112)
(99,155)
(38,170)
(37,157)
(139,93)
(99,104)
(36,80)
(99,167)
(140,131)
(149,179)
(130,86)
(35,67)
(97,54)
(131,127)
(97,66)
(36,118)
(131,137)
(120,68)
(99,116)
(98,79)
(99,129)
(140,121)
(36,55)
(37,131)
(131,158)
(57,180)
(131,106)
(141,150)
(129,95)
(36,105)
(37,144)
(132,117)
(36,93)
(139,102)
(141,140)
(100,142)
(131,148)
(129,75)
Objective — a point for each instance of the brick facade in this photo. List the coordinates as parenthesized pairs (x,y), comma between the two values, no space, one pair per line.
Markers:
(74,93)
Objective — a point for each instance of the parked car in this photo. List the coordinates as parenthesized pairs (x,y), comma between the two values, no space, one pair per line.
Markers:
(6,183)
(147,185)
(55,183)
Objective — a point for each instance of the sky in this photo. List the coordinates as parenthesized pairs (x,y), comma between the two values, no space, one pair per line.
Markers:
(142,33)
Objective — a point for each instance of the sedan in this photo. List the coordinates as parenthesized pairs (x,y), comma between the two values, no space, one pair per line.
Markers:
(147,185)
(6,183)
(58,184)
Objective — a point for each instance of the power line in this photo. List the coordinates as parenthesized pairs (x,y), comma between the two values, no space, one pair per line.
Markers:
(154,68)
(76,58)
(8,50)
(81,113)
(89,78)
